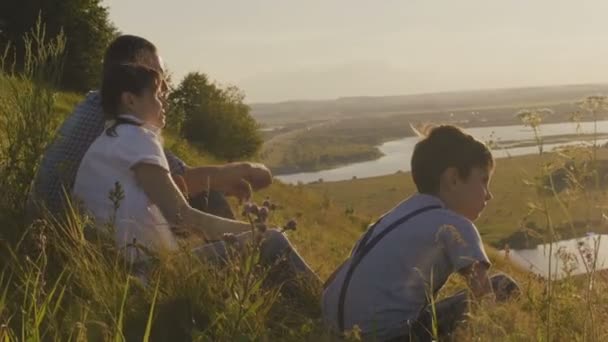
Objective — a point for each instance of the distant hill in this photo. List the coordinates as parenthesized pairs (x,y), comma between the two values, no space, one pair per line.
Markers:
(304,110)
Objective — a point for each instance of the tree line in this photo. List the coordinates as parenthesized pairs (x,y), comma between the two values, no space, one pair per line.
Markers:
(205,113)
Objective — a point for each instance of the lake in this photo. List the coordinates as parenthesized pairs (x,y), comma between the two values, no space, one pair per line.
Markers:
(397,153)
(569,257)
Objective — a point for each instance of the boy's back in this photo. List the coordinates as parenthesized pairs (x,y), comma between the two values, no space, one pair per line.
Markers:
(393,281)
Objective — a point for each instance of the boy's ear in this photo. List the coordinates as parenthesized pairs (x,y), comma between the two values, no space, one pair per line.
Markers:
(450,177)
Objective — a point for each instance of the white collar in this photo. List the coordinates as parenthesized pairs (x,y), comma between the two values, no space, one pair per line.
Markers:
(132,118)
(150,127)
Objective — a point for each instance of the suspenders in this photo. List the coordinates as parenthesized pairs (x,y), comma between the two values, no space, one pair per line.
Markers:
(364,247)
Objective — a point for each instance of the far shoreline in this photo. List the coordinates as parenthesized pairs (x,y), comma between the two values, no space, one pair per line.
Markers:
(505,144)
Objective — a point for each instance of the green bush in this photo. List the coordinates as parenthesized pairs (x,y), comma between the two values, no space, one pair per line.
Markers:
(216,119)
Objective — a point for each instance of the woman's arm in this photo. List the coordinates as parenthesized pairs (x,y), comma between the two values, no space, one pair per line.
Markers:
(228,178)
(162,191)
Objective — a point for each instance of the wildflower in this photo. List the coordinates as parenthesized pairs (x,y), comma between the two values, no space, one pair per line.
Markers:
(266,203)
(273,207)
(533,117)
(290,225)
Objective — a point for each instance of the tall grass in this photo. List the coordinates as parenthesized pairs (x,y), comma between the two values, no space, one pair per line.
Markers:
(61,279)
(28,117)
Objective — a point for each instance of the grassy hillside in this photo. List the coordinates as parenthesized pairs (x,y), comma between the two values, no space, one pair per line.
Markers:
(60,283)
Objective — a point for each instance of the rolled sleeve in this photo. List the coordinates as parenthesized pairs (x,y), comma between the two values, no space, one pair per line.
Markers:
(176,165)
(463,245)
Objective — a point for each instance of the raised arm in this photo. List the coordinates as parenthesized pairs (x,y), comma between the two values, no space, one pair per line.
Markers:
(162,191)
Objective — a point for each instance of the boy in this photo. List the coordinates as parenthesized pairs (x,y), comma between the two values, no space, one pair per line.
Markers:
(385,286)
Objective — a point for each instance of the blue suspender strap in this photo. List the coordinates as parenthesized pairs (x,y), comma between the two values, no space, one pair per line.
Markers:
(363,249)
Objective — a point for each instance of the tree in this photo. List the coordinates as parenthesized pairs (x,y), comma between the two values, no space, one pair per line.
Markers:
(215,118)
(85,24)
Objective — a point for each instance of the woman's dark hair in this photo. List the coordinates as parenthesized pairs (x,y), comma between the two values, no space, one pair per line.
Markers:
(127,49)
(446,146)
(121,78)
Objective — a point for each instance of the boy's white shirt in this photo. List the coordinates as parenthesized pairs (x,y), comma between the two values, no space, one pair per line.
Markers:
(391,284)
(110,159)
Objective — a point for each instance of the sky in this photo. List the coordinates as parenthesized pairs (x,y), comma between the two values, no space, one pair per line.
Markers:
(278,50)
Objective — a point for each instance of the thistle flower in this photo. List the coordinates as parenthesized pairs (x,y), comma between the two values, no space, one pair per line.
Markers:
(229,238)
(266,203)
(290,225)
(273,207)
(246,208)
(263,214)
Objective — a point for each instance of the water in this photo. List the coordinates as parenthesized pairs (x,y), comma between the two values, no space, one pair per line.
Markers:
(397,153)
(576,255)
(271,128)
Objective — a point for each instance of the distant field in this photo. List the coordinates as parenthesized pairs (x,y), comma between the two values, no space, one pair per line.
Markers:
(461,101)
(337,142)
(502,219)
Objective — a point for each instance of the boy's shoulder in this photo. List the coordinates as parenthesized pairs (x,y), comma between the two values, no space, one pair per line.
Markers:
(441,214)
(451,216)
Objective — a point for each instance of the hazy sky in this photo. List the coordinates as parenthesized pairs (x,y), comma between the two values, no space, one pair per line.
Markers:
(277,50)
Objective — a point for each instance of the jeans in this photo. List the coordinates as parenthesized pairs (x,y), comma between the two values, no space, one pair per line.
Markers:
(273,248)
(275,244)
(452,310)
(212,202)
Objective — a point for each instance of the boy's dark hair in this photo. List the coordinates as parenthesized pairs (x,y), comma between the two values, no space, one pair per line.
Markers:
(127,49)
(120,78)
(446,146)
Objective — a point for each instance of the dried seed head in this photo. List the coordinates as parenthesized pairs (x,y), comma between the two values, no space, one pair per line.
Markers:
(262,227)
